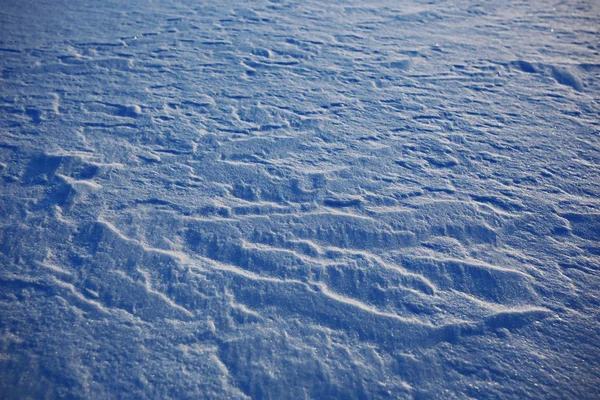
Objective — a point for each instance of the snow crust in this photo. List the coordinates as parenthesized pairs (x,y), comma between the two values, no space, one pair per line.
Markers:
(299,199)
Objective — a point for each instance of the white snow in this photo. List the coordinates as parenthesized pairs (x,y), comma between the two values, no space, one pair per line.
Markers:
(275,199)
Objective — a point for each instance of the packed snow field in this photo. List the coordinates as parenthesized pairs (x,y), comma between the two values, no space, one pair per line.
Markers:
(299,199)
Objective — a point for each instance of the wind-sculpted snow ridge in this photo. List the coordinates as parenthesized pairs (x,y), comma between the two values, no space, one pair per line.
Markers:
(299,199)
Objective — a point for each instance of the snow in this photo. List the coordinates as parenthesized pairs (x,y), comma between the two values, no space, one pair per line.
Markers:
(276,199)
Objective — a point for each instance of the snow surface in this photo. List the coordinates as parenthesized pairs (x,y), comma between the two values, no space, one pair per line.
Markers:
(299,199)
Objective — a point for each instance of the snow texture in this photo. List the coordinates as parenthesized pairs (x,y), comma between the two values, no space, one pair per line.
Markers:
(299,199)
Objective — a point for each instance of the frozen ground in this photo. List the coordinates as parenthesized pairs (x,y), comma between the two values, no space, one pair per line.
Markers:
(299,199)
